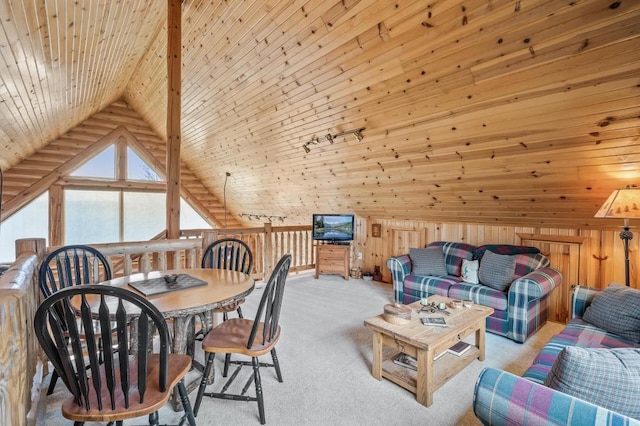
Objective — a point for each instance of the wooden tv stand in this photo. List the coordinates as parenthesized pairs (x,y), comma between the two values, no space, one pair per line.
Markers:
(332,259)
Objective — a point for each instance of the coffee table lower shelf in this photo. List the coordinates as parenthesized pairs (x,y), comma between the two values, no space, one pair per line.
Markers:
(444,369)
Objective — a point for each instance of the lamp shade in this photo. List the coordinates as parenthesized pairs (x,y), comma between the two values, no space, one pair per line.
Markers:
(622,204)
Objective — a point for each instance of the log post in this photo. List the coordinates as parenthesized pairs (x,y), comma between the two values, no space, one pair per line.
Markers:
(174,58)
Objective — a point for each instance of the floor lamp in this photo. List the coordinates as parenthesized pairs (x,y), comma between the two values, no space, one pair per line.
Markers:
(623,204)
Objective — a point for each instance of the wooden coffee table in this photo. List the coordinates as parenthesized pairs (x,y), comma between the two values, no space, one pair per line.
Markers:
(424,343)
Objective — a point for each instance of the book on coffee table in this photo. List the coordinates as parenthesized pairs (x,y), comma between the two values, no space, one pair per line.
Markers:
(459,348)
(406,361)
(437,321)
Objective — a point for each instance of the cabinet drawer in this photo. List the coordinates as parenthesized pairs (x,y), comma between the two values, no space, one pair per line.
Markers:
(332,266)
(331,256)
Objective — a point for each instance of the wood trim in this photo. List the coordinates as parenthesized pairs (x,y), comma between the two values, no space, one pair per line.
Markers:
(567,239)
(56,200)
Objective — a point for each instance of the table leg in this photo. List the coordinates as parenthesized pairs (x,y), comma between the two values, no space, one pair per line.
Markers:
(184,343)
(376,365)
(480,339)
(208,322)
(180,346)
(424,379)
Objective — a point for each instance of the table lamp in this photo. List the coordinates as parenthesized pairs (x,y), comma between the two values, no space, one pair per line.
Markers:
(622,204)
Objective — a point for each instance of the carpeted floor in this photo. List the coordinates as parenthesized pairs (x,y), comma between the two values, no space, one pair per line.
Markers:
(325,355)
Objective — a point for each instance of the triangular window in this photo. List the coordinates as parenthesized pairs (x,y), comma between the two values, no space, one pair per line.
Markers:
(137,169)
(100,166)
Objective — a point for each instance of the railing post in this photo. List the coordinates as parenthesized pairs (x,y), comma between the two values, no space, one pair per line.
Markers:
(268,251)
(39,247)
(208,237)
(31,245)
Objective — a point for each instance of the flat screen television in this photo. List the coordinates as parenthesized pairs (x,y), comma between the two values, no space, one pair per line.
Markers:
(333,227)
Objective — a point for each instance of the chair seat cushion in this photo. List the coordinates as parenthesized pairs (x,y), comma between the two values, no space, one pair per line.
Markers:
(231,336)
(416,286)
(480,294)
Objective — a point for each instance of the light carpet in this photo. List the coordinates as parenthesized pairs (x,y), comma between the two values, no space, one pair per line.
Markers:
(325,356)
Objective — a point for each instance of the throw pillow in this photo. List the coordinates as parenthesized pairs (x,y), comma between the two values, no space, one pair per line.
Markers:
(609,378)
(496,270)
(470,271)
(427,261)
(616,309)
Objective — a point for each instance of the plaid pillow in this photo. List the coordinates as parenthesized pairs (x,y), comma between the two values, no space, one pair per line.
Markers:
(609,378)
(427,261)
(496,270)
(454,253)
(616,309)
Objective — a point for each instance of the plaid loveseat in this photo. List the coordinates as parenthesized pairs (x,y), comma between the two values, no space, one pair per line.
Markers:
(502,398)
(518,312)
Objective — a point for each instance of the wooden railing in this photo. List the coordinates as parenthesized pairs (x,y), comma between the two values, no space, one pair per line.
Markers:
(270,243)
(21,365)
(267,243)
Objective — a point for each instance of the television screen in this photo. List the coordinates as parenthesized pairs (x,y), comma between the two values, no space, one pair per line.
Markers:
(333,227)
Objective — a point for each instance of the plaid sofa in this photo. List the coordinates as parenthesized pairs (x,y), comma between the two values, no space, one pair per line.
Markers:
(518,312)
(502,398)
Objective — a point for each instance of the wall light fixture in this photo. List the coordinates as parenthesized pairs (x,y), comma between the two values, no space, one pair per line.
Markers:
(267,217)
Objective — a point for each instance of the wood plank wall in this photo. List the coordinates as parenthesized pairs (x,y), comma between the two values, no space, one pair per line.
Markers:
(583,256)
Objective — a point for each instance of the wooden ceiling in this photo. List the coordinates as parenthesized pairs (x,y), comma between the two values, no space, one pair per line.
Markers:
(495,111)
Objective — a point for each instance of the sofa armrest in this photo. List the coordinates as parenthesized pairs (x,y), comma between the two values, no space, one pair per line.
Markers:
(536,284)
(400,267)
(581,298)
(502,398)
(525,296)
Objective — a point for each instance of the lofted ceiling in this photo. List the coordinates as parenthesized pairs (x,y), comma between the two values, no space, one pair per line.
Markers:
(496,111)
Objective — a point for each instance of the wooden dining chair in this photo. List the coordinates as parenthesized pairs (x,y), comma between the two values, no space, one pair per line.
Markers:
(230,254)
(121,386)
(72,265)
(69,266)
(252,338)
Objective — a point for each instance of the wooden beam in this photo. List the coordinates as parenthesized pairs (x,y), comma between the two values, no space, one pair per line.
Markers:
(174,57)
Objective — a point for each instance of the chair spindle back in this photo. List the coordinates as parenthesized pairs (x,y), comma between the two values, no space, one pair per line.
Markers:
(71,344)
(268,313)
(230,254)
(72,265)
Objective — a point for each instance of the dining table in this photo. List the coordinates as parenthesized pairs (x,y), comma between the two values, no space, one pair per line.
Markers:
(181,296)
